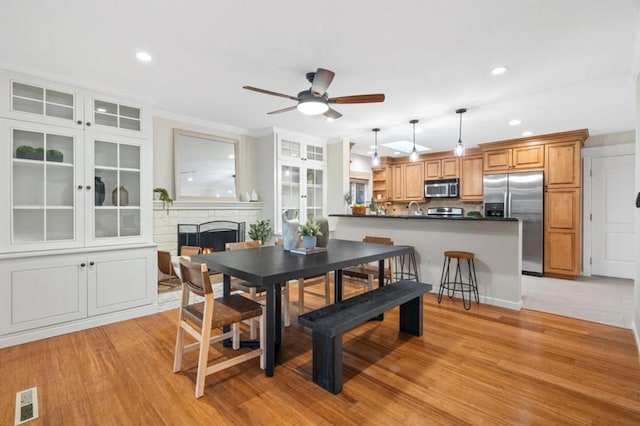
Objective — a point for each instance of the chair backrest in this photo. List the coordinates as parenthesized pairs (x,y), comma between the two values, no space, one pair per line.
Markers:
(164,263)
(195,276)
(242,245)
(378,240)
(189,251)
(279,241)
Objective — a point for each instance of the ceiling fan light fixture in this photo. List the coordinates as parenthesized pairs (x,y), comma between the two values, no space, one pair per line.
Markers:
(375,162)
(458,151)
(312,106)
(414,154)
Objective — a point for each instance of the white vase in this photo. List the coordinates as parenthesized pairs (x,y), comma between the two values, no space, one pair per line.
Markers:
(290,229)
(309,241)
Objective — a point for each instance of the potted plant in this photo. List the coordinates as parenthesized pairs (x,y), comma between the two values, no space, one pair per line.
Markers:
(348,198)
(164,197)
(29,152)
(359,209)
(309,231)
(261,230)
(54,155)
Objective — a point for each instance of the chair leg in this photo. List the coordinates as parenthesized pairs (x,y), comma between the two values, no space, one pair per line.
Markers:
(285,311)
(235,340)
(204,345)
(301,296)
(252,322)
(327,288)
(177,359)
(263,333)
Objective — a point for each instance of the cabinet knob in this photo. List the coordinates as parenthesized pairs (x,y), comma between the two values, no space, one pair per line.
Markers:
(82,265)
(79,122)
(88,187)
(88,124)
(79,186)
(91,263)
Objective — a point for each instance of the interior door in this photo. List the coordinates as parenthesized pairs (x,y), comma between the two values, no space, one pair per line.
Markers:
(612,220)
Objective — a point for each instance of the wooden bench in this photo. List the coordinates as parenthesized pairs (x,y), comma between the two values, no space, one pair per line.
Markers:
(328,324)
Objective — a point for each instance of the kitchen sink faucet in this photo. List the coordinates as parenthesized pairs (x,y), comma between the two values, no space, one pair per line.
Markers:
(418,211)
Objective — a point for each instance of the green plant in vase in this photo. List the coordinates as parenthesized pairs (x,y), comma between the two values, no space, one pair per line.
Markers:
(309,231)
(261,230)
(164,197)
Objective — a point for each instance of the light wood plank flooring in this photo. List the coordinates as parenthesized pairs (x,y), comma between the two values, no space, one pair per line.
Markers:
(484,366)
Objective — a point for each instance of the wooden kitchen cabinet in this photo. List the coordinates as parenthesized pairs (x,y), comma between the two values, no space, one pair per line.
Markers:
(562,169)
(408,182)
(381,185)
(471,173)
(562,232)
(445,168)
(518,158)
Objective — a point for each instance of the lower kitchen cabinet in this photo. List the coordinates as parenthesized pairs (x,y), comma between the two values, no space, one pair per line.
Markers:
(46,295)
(562,232)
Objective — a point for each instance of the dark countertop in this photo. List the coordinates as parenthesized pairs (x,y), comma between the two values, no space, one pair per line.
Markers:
(472,218)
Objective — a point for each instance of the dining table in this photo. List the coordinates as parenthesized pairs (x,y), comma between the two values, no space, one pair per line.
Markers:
(271,266)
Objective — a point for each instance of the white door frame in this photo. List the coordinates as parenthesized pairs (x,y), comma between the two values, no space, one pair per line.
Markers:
(587,156)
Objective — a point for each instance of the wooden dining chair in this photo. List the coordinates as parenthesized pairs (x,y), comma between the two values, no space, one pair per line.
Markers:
(168,275)
(189,251)
(199,319)
(365,274)
(257,293)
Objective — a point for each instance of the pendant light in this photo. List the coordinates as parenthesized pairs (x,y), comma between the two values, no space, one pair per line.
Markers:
(414,153)
(375,162)
(459,149)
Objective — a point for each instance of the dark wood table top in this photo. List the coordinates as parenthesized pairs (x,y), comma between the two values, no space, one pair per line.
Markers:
(274,265)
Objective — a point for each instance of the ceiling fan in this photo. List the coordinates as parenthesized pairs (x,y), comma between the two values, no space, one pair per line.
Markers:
(315,100)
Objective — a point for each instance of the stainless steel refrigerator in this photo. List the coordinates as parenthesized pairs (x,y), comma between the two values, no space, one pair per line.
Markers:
(520,195)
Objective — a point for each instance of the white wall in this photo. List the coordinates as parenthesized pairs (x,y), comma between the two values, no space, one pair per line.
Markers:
(337,176)
(636,322)
(360,163)
(619,138)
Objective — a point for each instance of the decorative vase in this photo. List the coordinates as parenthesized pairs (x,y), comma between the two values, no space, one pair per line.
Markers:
(99,190)
(124,196)
(254,196)
(309,241)
(290,229)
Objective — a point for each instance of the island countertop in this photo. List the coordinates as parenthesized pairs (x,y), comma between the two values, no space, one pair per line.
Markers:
(420,217)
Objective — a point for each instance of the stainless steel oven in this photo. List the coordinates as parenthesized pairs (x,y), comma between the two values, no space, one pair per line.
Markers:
(441,188)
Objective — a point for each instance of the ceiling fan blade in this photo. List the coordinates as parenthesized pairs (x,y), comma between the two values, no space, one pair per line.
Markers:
(358,99)
(269,92)
(332,113)
(321,81)
(283,110)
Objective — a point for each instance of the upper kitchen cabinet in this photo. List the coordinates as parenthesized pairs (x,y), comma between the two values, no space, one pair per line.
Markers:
(445,168)
(45,102)
(563,165)
(408,181)
(381,184)
(298,163)
(516,158)
(471,174)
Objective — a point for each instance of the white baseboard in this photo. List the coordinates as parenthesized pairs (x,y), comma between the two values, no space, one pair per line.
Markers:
(69,327)
(508,304)
(636,334)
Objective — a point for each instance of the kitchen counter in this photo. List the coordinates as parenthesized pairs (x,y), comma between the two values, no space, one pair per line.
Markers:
(471,218)
(496,242)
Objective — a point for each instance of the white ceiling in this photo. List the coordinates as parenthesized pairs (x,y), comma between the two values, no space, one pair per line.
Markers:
(570,62)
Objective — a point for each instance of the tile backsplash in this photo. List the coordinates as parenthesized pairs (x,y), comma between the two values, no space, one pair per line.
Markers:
(401,208)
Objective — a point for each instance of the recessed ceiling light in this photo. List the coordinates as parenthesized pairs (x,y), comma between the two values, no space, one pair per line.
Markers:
(190,179)
(143,56)
(372,146)
(396,152)
(527,133)
(515,122)
(418,129)
(330,119)
(231,156)
(369,152)
(499,70)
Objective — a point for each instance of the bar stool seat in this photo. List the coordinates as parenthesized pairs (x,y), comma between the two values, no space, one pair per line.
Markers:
(457,285)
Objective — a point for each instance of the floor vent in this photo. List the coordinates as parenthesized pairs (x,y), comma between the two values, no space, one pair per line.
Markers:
(26,405)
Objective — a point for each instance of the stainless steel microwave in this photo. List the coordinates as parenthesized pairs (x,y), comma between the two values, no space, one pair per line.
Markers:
(443,188)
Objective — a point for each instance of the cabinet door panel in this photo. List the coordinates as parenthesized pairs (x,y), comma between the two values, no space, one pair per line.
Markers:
(37,293)
(528,157)
(471,178)
(432,169)
(497,160)
(118,282)
(562,210)
(450,168)
(414,181)
(562,231)
(563,165)
(107,114)
(560,254)
(398,183)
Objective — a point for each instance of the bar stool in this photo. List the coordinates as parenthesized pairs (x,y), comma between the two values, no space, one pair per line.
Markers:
(470,287)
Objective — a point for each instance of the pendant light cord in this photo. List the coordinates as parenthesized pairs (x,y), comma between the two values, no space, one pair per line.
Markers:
(460,131)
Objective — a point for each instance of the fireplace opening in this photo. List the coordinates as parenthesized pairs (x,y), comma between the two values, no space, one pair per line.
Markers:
(210,236)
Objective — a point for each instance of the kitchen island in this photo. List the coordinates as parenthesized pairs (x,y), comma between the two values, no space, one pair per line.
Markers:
(496,242)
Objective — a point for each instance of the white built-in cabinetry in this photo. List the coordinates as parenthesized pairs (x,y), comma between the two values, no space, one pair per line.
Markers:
(76,221)
(298,164)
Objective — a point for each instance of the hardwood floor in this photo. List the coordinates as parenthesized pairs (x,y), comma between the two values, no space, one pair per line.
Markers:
(484,366)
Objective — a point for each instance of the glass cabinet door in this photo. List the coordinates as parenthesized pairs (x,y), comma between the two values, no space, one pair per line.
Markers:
(289,150)
(315,190)
(112,116)
(290,188)
(117,189)
(45,185)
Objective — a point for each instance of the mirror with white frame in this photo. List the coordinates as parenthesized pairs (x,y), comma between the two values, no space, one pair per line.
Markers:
(205,166)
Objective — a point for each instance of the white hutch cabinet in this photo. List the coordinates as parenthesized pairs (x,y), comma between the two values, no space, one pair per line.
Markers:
(292,175)
(76,222)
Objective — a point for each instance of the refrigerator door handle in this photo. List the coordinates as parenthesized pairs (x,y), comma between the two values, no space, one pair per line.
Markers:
(506,207)
(509,204)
